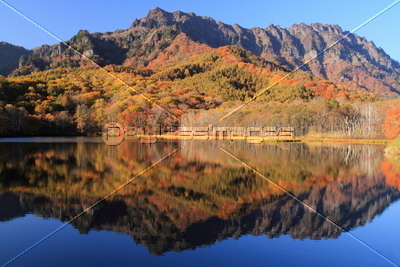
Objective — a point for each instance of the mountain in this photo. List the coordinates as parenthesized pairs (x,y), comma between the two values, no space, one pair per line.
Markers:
(354,63)
(10,56)
(199,79)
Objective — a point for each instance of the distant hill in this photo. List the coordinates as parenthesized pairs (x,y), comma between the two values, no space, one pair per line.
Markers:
(10,56)
(354,63)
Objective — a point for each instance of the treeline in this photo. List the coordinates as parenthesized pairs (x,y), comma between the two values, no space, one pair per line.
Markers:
(81,101)
(321,118)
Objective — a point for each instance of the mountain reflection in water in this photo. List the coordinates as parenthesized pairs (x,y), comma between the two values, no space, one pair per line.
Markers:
(199,195)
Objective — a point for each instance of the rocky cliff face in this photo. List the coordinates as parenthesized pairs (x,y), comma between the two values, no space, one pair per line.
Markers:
(354,63)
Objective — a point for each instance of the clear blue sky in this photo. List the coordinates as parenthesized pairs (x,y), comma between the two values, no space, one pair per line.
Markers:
(66,18)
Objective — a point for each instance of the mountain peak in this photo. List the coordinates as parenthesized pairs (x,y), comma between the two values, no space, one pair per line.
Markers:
(326,27)
(156,18)
(156,13)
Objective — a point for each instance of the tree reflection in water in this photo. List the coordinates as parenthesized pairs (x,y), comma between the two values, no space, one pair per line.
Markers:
(200,195)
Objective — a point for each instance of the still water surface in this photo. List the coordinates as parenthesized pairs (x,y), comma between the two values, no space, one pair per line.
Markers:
(199,206)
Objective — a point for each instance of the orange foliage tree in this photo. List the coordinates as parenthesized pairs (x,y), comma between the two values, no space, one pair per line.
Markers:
(391,127)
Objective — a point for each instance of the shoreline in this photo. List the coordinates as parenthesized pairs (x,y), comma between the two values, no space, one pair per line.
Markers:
(250,140)
(258,140)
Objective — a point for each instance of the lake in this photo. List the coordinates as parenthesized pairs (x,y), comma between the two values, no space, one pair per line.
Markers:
(214,203)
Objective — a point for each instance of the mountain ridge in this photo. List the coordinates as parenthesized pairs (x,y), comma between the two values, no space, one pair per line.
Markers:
(354,63)
(354,58)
